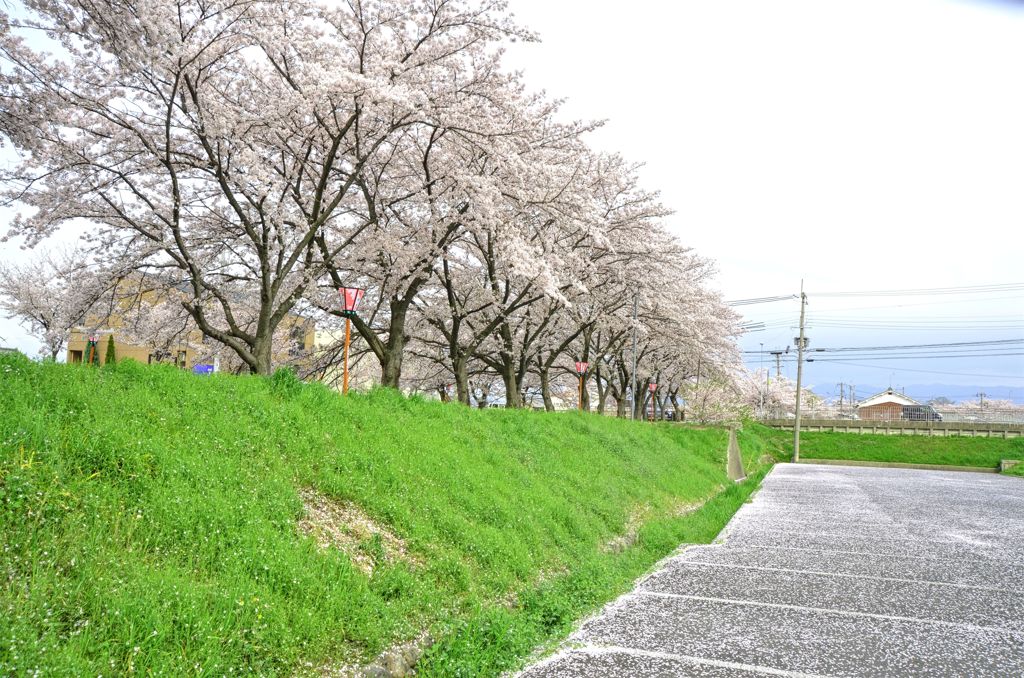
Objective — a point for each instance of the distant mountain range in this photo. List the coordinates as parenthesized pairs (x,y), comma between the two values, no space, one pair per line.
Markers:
(956,393)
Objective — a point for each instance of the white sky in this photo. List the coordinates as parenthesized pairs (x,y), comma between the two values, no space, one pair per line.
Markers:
(859,145)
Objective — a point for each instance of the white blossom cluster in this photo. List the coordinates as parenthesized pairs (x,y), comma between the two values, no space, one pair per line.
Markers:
(256,156)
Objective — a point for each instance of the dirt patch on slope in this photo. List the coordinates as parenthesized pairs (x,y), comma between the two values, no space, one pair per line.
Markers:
(344,526)
(395,662)
(639,515)
(630,532)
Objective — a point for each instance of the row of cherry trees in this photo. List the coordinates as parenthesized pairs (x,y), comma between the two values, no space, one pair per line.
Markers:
(256,156)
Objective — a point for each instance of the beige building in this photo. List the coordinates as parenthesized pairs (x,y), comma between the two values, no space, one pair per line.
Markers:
(298,331)
(78,347)
(294,340)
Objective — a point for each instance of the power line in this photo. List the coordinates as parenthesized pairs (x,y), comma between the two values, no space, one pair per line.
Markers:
(760,300)
(890,368)
(917,328)
(915,356)
(931,291)
(924,322)
(943,302)
(993,342)
(920,291)
(939,324)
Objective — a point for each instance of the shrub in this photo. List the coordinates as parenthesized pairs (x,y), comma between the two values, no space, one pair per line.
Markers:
(111,356)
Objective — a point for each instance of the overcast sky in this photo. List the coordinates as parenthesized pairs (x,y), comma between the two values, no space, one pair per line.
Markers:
(861,145)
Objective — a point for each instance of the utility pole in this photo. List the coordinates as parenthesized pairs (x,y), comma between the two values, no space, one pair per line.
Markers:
(632,374)
(760,404)
(778,363)
(981,399)
(799,374)
(841,385)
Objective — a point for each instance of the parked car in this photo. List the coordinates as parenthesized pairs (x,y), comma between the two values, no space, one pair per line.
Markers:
(921,413)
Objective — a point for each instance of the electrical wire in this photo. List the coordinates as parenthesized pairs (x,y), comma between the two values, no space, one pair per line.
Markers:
(944,302)
(932,291)
(890,368)
(994,342)
(760,300)
(913,356)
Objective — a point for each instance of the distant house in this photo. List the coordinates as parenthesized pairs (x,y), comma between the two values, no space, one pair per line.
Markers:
(886,406)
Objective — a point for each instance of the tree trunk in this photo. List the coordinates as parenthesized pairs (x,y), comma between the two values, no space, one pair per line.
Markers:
(461,371)
(508,366)
(675,406)
(391,368)
(545,389)
(394,349)
(602,392)
(482,401)
(508,376)
(262,358)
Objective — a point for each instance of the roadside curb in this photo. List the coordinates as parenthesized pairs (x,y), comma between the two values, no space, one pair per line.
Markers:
(887,464)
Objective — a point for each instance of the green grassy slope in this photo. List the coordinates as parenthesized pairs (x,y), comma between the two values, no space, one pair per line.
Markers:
(954,451)
(148,520)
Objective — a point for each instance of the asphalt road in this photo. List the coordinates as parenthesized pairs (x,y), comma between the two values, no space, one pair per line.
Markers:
(830,571)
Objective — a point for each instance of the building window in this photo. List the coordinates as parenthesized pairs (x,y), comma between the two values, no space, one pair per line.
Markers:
(76,356)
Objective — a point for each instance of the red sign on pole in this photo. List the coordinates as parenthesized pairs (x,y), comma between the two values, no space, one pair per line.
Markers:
(581,367)
(652,387)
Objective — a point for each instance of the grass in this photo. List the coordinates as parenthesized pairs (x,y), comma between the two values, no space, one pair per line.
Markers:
(148,518)
(953,450)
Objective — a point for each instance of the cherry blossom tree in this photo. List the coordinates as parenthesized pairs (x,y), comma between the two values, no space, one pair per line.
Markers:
(450,181)
(53,293)
(230,140)
(244,159)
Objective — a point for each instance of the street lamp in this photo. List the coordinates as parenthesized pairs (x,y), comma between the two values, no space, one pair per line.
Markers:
(652,388)
(581,369)
(350,297)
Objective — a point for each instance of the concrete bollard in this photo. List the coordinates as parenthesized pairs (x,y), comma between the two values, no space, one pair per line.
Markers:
(734,465)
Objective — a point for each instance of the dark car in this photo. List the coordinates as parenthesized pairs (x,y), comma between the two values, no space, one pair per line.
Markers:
(921,413)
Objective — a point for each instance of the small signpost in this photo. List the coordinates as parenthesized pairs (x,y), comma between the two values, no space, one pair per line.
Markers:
(202,369)
(653,389)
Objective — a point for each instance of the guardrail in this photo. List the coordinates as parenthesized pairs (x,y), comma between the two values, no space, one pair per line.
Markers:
(897,427)
(972,416)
